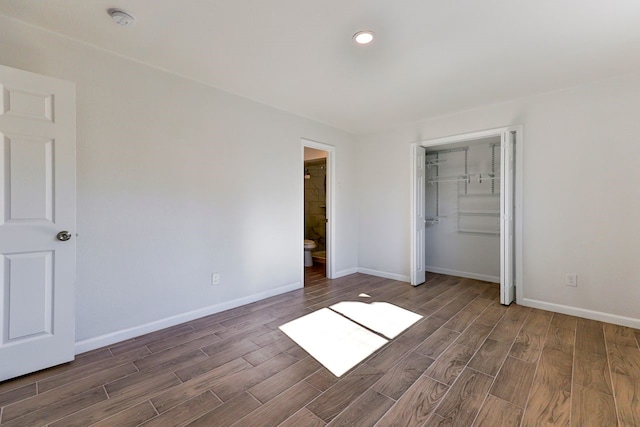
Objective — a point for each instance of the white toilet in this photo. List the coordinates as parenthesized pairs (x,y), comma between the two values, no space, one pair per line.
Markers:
(308,245)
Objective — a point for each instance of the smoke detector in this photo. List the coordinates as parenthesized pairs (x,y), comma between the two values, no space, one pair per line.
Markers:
(121,17)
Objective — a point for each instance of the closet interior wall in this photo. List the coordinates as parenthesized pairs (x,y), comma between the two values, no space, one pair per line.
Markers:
(463,209)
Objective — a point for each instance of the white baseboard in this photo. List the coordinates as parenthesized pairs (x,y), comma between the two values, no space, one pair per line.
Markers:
(384,274)
(484,277)
(136,331)
(343,273)
(582,312)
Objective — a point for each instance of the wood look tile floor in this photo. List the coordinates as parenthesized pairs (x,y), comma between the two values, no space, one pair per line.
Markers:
(468,362)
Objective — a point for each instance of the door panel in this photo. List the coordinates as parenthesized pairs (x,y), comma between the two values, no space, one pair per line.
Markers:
(27,104)
(30,294)
(30,183)
(507,267)
(37,201)
(418,274)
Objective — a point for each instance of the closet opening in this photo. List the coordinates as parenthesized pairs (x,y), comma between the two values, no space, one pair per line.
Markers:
(462,207)
(466,213)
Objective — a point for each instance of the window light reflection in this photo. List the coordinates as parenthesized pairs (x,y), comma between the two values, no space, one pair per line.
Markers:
(345,334)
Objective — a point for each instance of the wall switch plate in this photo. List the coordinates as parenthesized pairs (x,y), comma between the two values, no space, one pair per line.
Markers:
(215,278)
(571,280)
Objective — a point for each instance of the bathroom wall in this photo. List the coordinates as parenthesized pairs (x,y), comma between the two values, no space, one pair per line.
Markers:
(315,202)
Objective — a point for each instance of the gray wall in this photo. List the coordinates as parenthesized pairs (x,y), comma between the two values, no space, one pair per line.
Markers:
(581,194)
(177,180)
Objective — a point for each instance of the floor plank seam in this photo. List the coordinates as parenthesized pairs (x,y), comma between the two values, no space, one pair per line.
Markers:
(488,391)
(573,373)
(155,409)
(260,405)
(609,366)
(203,352)
(289,417)
(312,374)
(535,373)
(214,394)
(104,387)
(389,397)
(261,402)
(499,369)
(443,351)
(543,368)
(307,382)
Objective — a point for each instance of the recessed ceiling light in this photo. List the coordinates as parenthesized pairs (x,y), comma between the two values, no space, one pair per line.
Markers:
(363,37)
(121,17)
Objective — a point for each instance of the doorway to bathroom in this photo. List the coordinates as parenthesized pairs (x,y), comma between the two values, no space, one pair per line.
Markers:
(317,211)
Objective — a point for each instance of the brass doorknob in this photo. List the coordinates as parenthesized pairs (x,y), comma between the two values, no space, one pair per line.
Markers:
(63,236)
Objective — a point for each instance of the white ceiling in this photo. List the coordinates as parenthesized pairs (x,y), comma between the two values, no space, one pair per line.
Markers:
(430,57)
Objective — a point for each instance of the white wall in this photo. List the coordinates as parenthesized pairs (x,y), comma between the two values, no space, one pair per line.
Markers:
(581,194)
(177,180)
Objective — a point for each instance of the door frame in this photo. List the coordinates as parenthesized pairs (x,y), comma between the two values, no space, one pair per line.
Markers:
(330,202)
(517,242)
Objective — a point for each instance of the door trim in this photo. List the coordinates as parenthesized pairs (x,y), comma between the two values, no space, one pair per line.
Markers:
(331,205)
(518,181)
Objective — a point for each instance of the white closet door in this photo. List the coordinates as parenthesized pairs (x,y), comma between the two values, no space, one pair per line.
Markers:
(418,216)
(37,222)
(507,259)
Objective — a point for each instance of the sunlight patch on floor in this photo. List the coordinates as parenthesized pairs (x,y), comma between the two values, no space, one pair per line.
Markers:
(336,342)
(341,336)
(381,317)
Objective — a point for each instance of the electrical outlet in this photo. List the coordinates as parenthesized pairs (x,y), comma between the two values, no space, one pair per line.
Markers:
(215,278)
(571,280)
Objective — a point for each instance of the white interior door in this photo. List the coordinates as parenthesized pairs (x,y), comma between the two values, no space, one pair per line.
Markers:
(418,215)
(507,267)
(37,202)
